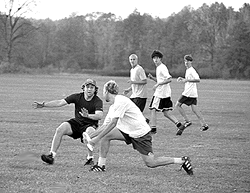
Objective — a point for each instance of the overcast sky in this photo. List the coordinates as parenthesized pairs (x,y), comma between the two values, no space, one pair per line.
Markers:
(58,9)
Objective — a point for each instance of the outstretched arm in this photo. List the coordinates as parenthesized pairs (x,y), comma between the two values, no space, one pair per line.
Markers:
(54,103)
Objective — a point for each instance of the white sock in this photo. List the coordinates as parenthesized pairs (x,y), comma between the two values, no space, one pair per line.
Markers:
(90,156)
(178,160)
(101,161)
(53,154)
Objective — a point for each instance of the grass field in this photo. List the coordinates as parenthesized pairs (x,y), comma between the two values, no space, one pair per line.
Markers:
(220,156)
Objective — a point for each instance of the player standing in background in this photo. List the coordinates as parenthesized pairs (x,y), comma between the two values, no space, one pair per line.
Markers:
(138,81)
(88,111)
(190,95)
(161,100)
(128,124)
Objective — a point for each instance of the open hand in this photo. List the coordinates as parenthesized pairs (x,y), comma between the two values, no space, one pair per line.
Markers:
(84,112)
(37,105)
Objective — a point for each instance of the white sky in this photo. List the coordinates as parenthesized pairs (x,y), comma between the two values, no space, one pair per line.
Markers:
(58,9)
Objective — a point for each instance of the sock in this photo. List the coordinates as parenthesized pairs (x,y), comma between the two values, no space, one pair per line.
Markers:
(89,157)
(101,161)
(53,154)
(178,160)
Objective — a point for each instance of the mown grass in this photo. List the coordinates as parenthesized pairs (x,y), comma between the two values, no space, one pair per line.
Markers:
(220,156)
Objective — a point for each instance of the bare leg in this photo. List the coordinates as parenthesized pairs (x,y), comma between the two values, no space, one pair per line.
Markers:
(153,118)
(63,129)
(181,111)
(170,116)
(90,130)
(198,114)
(152,161)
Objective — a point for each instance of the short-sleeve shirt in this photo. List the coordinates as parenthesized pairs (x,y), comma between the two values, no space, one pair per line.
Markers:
(131,120)
(190,88)
(162,73)
(95,104)
(138,90)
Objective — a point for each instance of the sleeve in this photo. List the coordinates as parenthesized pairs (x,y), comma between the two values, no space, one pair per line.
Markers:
(142,74)
(165,72)
(70,99)
(119,109)
(99,105)
(195,74)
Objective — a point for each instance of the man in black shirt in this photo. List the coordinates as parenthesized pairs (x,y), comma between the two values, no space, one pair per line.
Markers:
(88,111)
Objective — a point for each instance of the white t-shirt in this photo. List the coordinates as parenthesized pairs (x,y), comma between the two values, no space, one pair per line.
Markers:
(138,90)
(190,89)
(131,120)
(162,73)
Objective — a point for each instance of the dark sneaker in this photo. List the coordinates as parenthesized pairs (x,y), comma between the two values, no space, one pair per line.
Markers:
(187,124)
(180,129)
(48,158)
(89,162)
(97,168)
(153,131)
(187,165)
(204,127)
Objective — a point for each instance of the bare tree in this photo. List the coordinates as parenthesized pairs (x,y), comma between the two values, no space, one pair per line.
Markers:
(13,25)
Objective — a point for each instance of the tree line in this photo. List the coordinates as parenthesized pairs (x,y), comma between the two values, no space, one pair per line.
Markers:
(216,36)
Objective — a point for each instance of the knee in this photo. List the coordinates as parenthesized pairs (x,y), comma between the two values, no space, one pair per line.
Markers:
(61,130)
(149,164)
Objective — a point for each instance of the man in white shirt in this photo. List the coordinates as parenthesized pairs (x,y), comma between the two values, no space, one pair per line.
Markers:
(138,81)
(190,95)
(127,123)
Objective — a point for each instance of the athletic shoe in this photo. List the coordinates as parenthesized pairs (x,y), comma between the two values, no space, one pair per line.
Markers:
(97,168)
(153,131)
(89,162)
(187,124)
(180,128)
(187,165)
(204,127)
(48,158)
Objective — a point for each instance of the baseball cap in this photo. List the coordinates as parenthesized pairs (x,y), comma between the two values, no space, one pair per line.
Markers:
(90,81)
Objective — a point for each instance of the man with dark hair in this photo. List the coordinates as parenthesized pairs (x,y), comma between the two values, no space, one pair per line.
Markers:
(161,101)
(190,95)
(127,123)
(88,111)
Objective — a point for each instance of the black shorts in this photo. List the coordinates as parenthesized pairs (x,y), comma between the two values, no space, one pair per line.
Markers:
(161,104)
(78,128)
(140,102)
(187,100)
(142,144)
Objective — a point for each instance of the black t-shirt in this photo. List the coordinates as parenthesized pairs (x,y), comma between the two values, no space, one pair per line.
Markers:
(95,104)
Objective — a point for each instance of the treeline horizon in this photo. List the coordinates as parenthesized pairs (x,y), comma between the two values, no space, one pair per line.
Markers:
(217,37)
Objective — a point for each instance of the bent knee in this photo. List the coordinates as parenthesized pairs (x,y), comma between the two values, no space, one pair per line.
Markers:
(64,129)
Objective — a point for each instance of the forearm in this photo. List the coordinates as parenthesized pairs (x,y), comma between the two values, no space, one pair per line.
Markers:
(95,116)
(55,103)
(104,131)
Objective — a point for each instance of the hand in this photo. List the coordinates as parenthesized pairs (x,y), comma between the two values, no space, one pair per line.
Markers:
(86,140)
(150,76)
(37,105)
(84,112)
(126,91)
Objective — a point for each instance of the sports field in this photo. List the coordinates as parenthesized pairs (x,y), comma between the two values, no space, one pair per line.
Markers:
(220,156)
